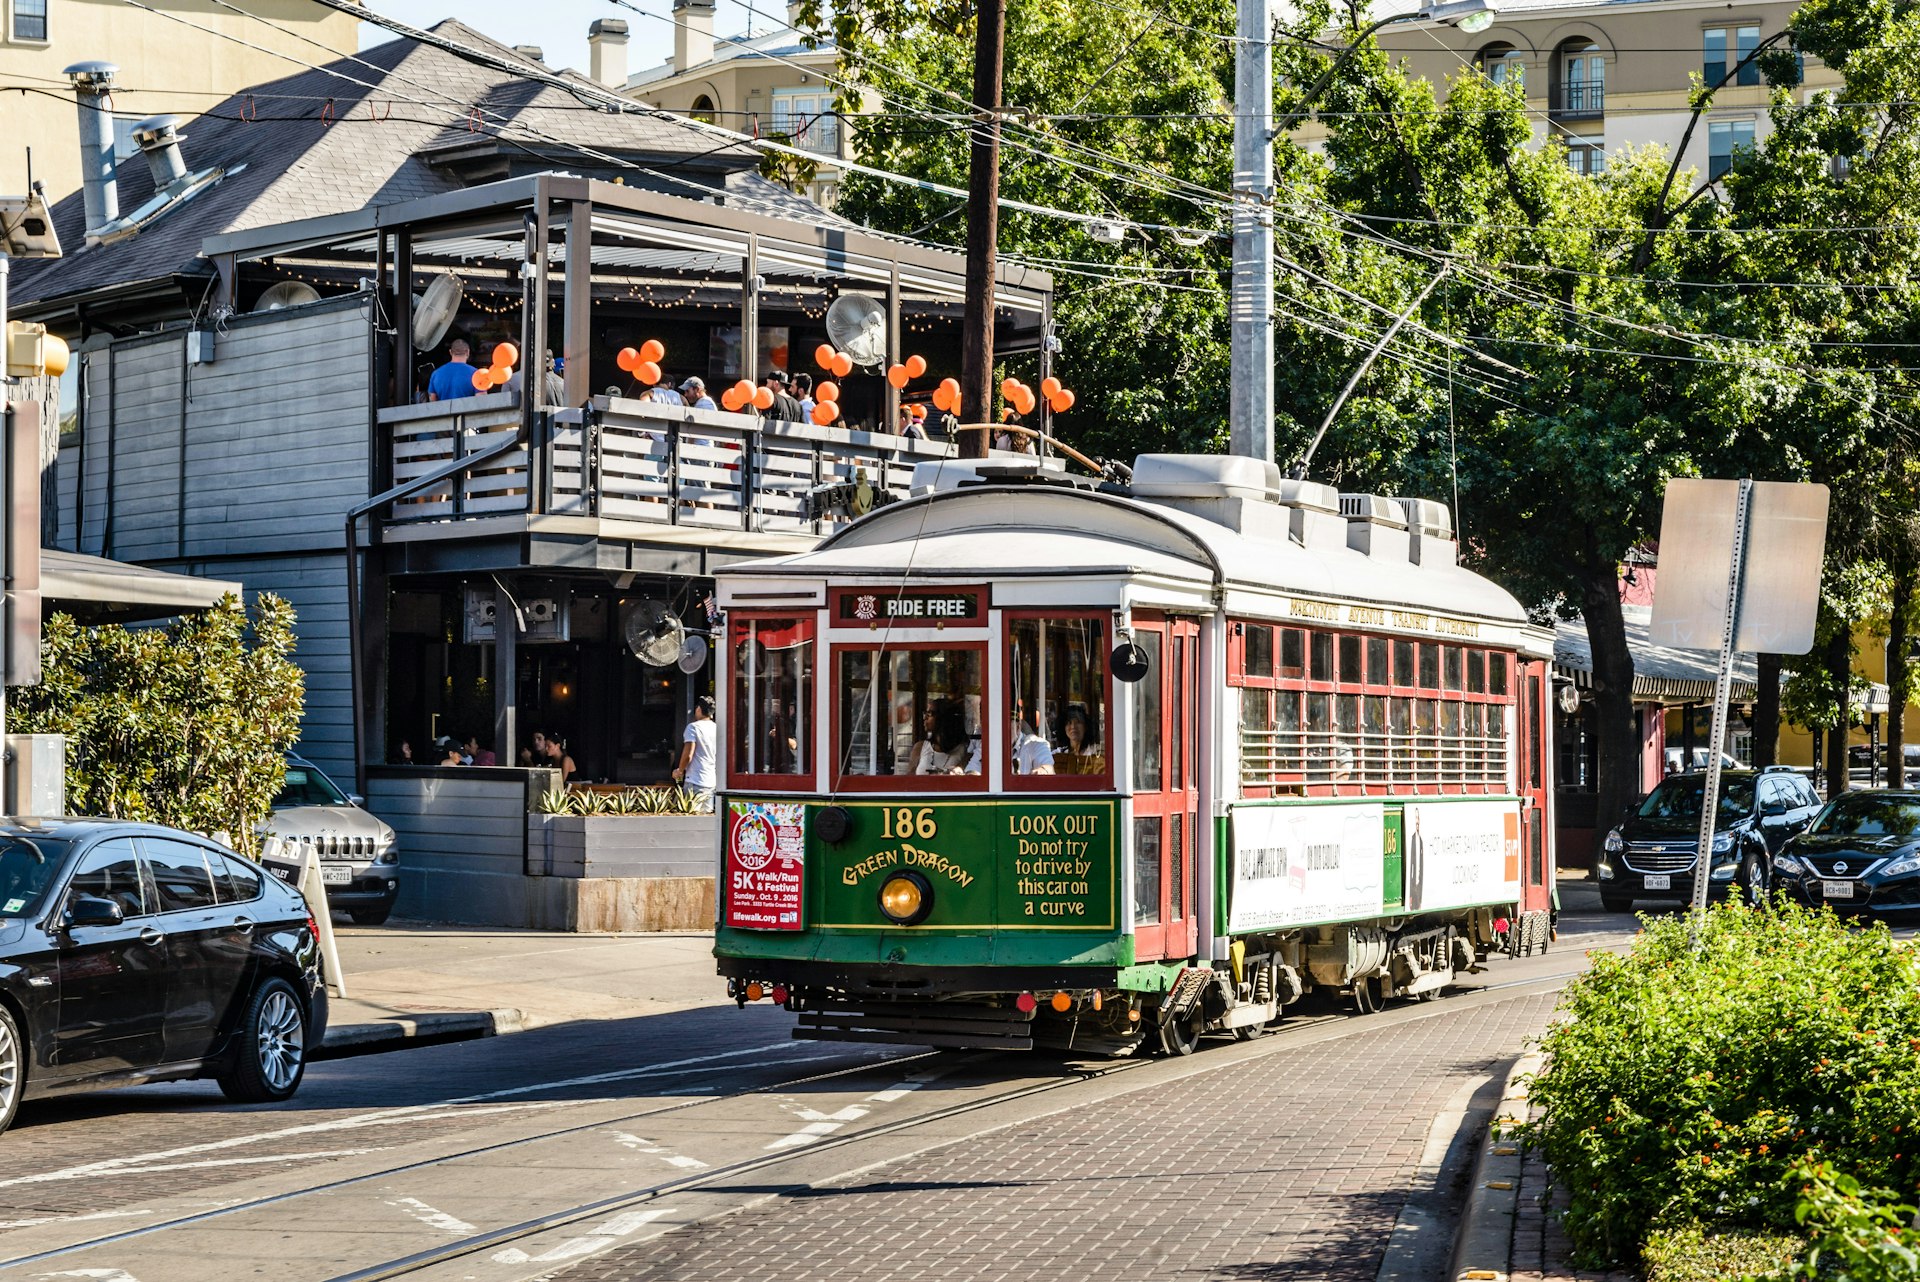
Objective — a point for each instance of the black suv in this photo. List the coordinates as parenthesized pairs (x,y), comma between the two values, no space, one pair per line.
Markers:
(1652,854)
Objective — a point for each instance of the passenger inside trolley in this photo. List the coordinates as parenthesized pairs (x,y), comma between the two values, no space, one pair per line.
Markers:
(1082,754)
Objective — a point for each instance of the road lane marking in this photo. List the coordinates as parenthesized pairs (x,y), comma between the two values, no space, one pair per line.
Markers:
(433,1217)
(101,1275)
(822,1124)
(598,1238)
(388,1117)
(70,1219)
(667,1155)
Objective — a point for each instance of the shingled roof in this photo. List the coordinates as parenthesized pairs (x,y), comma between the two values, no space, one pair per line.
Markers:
(395,122)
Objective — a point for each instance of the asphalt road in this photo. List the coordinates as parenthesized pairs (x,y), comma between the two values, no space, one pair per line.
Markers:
(683,1144)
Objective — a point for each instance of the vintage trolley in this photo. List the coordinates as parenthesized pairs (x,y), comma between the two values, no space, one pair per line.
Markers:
(1029,760)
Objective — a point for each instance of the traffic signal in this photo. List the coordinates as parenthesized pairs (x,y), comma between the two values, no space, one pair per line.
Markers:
(33,352)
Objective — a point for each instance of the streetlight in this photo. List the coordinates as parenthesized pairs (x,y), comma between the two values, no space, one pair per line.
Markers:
(1470,16)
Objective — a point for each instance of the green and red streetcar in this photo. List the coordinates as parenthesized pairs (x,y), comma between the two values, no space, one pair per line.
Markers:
(1029,760)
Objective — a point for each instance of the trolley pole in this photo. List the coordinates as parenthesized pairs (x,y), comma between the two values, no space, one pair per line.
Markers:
(983,227)
(1251,302)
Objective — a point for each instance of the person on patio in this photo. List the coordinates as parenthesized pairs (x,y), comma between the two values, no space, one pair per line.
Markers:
(698,753)
(454,379)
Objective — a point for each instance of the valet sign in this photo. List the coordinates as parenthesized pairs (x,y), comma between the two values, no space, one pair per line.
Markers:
(766,864)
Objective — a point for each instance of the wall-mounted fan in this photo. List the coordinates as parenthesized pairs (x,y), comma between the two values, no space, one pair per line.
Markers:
(288,293)
(693,654)
(857,324)
(433,311)
(653,632)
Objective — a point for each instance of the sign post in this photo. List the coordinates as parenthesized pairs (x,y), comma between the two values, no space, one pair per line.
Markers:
(1711,532)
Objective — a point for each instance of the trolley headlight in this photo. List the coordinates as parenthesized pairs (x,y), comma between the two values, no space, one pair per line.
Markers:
(906,898)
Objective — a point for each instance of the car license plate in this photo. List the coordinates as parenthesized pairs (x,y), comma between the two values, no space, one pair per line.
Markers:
(1659,881)
(1836,889)
(335,876)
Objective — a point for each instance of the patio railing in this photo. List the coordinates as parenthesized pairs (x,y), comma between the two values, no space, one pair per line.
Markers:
(637,461)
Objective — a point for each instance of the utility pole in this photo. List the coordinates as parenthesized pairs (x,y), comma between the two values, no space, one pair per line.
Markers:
(983,227)
(1251,415)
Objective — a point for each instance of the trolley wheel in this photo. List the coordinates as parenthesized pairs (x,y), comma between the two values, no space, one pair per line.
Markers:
(1365,997)
(1249,1032)
(1181,1036)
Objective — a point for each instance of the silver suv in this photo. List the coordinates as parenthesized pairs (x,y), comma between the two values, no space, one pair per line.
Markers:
(358,861)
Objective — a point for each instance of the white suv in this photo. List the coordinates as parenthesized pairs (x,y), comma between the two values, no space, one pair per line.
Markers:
(358,861)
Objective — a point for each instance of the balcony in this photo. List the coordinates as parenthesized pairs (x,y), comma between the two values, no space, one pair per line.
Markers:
(634,467)
(1579,98)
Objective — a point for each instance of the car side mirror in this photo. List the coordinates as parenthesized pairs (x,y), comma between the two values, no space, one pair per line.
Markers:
(89,910)
(1773,807)
(355,799)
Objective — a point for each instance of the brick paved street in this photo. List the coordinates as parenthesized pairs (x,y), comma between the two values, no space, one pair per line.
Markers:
(1292,1165)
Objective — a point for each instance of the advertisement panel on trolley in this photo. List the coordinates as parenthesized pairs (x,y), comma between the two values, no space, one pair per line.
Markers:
(766,865)
(1296,864)
(1462,853)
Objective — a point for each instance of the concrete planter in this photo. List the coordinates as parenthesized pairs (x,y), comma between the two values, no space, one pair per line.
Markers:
(622,872)
(621,845)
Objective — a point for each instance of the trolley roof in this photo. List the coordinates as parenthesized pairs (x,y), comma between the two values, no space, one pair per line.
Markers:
(1251,551)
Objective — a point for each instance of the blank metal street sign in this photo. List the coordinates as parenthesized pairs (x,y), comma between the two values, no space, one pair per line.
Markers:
(1786,532)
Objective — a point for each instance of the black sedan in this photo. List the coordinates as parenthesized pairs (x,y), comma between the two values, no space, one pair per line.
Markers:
(1863,852)
(131,953)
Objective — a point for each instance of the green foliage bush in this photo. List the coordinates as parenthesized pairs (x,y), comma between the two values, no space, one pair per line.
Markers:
(1861,1235)
(625,802)
(1690,1084)
(186,725)
(1693,1254)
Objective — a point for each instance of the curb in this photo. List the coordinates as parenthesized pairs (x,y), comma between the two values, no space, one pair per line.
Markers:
(408,1031)
(1483,1250)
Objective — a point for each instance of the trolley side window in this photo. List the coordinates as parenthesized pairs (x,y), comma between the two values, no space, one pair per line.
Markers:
(909,710)
(1057,702)
(770,738)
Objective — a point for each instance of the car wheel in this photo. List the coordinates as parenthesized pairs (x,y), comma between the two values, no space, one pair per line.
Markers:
(1753,876)
(13,1067)
(1616,903)
(272,1053)
(373,916)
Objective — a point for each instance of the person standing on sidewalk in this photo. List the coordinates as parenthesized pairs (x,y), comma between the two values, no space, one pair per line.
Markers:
(698,753)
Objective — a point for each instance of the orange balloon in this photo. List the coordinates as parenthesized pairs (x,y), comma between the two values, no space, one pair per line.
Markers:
(826,392)
(730,399)
(505,355)
(916,366)
(897,375)
(823,356)
(1066,399)
(763,398)
(842,364)
(482,379)
(825,412)
(952,384)
(652,350)
(1007,385)
(647,372)
(940,398)
(744,390)
(627,359)
(1050,387)
(1026,401)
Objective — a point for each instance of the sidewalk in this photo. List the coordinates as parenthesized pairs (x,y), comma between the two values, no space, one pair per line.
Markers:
(415,981)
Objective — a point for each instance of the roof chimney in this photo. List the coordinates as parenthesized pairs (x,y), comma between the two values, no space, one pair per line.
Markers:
(92,89)
(532,53)
(793,13)
(160,144)
(692,34)
(607,43)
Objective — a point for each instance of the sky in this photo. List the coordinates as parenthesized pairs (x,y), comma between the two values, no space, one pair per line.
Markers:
(559,27)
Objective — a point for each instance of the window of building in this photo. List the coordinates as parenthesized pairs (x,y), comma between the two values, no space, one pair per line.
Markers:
(1503,64)
(29,19)
(808,119)
(1717,57)
(703,109)
(892,701)
(1586,156)
(1057,693)
(1583,80)
(771,729)
(1726,139)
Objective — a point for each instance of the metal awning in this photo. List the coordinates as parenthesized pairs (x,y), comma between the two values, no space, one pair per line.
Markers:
(94,589)
(1661,674)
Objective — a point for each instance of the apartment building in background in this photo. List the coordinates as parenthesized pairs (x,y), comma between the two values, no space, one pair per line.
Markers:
(1601,75)
(178,61)
(765,83)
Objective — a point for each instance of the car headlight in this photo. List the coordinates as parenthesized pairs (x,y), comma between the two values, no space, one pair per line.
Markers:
(1722,842)
(1613,845)
(389,854)
(1901,867)
(1788,864)
(906,898)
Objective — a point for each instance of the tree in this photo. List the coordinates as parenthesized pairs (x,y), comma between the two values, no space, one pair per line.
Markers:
(185,725)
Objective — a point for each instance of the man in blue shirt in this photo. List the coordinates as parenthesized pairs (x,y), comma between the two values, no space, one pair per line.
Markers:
(454,379)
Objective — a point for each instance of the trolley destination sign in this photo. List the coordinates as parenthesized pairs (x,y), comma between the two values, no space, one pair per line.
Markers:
(1018,865)
(887,605)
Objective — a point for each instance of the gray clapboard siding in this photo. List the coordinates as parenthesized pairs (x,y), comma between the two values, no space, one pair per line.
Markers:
(66,485)
(462,840)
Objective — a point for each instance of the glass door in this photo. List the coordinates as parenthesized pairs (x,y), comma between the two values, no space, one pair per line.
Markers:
(1166,799)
